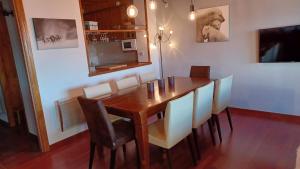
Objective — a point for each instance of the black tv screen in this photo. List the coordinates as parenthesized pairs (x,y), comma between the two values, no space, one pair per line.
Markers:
(279,44)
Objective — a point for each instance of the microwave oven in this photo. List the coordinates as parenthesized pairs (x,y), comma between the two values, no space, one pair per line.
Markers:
(129,45)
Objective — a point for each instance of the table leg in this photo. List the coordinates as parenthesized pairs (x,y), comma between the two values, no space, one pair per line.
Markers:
(141,133)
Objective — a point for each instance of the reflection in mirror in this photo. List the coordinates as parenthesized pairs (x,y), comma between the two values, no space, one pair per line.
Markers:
(114,40)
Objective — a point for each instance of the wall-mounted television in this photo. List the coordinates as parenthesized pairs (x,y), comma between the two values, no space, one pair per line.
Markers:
(279,44)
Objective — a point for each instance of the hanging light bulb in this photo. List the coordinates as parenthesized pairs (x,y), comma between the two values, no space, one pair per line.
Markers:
(192,16)
(153,5)
(132,11)
(192,11)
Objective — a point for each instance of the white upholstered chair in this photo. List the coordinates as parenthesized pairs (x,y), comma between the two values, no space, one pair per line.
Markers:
(176,125)
(100,91)
(128,82)
(222,96)
(97,91)
(147,77)
(203,103)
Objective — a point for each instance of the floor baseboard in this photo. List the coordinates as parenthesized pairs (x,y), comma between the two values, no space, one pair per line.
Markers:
(264,114)
(70,139)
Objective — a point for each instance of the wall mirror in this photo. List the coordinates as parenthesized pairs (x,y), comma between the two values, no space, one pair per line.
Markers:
(116,34)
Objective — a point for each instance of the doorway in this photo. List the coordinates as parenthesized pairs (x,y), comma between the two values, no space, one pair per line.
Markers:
(18,130)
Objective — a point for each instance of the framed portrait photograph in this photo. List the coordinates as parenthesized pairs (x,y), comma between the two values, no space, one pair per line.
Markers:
(212,24)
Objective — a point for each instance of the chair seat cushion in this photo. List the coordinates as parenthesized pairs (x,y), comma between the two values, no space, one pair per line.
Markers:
(157,134)
(124,131)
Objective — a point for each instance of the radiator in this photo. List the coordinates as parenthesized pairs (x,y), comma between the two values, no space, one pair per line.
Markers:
(70,113)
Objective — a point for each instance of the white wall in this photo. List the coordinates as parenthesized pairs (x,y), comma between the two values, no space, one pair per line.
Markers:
(20,66)
(61,73)
(266,87)
(141,40)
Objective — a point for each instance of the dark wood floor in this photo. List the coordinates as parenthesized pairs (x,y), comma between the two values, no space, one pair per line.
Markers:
(257,142)
(16,143)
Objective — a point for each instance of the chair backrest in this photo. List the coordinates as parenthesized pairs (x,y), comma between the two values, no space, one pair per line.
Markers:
(147,77)
(97,90)
(222,94)
(178,119)
(100,127)
(200,71)
(127,83)
(203,104)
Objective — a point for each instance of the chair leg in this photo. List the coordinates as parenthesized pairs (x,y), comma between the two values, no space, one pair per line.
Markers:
(213,121)
(169,158)
(229,118)
(113,159)
(195,135)
(92,153)
(211,131)
(137,155)
(124,150)
(190,142)
(159,116)
(216,119)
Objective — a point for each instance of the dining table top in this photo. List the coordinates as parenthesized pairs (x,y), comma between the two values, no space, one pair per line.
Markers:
(138,99)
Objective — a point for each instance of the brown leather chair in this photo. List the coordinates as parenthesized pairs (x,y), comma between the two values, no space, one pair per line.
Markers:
(102,131)
(200,71)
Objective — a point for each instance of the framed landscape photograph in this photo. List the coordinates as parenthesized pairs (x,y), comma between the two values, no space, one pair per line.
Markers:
(55,33)
(212,24)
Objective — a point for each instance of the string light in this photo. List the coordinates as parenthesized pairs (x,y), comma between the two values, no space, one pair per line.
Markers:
(152,46)
(153,5)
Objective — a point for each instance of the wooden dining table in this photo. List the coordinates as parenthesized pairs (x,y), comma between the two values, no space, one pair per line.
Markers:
(139,104)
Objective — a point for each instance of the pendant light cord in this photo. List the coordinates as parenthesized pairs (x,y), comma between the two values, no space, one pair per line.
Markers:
(192,7)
